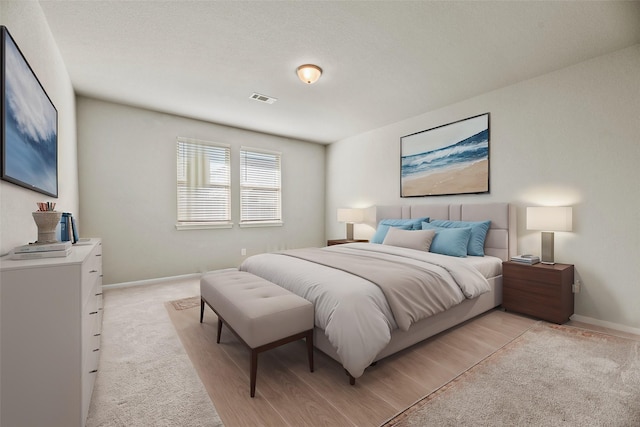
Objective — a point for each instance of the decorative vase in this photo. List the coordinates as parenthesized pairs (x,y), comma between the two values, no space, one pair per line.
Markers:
(47,221)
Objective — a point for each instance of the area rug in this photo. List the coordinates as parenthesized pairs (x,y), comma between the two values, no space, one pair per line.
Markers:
(145,377)
(551,375)
(186,303)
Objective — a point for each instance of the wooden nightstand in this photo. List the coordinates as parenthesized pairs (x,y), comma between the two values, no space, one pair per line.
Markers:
(343,241)
(539,290)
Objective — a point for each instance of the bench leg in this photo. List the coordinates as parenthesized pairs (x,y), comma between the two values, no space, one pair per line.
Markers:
(254,371)
(219,329)
(201,309)
(309,340)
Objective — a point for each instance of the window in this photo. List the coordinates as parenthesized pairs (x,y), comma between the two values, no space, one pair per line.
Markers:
(260,192)
(204,184)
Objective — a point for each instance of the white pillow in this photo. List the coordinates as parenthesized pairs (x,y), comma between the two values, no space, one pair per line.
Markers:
(412,239)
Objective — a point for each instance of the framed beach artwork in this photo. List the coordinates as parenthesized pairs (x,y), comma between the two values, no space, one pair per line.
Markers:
(446,160)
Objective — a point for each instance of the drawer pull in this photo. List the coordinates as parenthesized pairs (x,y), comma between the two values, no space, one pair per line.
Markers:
(93,312)
(96,349)
(96,335)
(98,254)
(99,294)
(93,271)
(93,372)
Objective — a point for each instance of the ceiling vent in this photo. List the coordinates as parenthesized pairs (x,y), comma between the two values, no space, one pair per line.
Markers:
(263,98)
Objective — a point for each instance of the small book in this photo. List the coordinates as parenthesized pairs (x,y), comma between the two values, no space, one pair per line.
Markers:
(42,247)
(39,255)
(526,259)
(64,227)
(74,226)
(69,228)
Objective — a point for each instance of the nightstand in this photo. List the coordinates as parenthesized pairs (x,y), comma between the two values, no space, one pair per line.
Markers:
(539,290)
(343,241)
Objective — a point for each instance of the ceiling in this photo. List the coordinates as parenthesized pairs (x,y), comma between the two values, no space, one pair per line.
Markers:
(383,61)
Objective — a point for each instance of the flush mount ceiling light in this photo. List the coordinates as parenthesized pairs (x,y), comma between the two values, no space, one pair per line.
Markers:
(309,73)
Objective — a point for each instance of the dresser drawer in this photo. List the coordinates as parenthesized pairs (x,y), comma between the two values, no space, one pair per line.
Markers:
(88,381)
(91,285)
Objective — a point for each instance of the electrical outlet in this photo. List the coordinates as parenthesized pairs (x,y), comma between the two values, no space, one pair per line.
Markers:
(576,287)
(243,251)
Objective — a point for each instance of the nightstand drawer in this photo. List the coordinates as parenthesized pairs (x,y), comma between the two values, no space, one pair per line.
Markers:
(533,290)
(536,273)
(535,299)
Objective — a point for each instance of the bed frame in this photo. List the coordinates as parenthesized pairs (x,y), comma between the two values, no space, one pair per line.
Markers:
(501,242)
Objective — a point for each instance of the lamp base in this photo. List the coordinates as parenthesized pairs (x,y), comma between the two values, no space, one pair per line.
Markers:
(349,231)
(547,254)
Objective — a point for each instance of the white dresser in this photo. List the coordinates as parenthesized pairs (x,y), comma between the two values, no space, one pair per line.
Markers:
(50,325)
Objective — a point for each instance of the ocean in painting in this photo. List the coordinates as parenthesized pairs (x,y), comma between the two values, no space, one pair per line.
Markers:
(461,154)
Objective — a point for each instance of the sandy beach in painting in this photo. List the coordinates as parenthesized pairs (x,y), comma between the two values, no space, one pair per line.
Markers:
(471,179)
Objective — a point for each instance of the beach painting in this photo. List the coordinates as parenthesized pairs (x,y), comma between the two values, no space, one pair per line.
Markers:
(446,160)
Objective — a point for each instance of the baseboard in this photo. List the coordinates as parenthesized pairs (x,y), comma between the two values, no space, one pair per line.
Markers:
(605,324)
(152,281)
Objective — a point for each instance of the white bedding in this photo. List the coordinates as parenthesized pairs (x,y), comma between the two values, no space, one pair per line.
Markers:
(353,311)
(488,266)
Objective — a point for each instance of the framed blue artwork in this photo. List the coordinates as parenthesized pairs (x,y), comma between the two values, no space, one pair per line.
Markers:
(29,124)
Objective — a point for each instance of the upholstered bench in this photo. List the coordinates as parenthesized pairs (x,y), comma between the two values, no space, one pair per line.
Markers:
(260,313)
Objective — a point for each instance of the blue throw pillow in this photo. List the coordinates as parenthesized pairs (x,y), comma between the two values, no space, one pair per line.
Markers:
(449,241)
(415,223)
(479,231)
(383,228)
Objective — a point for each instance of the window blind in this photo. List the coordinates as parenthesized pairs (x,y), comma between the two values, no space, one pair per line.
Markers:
(204,182)
(260,186)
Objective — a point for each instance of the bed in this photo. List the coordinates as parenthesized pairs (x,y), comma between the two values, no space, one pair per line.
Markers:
(360,315)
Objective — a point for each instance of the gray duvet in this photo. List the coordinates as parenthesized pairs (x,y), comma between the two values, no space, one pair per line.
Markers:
(362,291)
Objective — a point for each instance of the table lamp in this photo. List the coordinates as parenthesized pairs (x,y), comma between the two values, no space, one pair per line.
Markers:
(350,216)
(549,219)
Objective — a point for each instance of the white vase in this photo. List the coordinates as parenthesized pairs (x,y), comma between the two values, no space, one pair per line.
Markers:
(47,221)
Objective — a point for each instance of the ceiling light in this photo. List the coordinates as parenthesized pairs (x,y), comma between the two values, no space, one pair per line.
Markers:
(309,73)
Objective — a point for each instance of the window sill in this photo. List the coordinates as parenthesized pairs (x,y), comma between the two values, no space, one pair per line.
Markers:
(261,224)
(203,226)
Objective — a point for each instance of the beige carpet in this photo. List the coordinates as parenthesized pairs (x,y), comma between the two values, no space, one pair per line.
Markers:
(145,377)
(549,376)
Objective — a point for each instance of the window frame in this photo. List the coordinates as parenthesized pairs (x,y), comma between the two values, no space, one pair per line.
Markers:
(195,224)
(242,187)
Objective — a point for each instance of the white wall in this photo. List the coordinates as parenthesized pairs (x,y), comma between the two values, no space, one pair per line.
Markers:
(571,137)
(28,27)
(127,164)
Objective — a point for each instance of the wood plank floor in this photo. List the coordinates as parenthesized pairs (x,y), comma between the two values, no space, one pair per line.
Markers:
(287,394)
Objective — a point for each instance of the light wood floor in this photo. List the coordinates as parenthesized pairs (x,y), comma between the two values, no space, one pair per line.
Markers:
(287,394)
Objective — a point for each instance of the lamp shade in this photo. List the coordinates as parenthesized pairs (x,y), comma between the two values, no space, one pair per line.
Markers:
(309,73)
(550,218)
(354,216)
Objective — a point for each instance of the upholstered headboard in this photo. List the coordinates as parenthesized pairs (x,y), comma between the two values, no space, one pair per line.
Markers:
(501,239)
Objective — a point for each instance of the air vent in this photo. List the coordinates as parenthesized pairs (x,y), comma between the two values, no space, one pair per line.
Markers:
(263,98)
